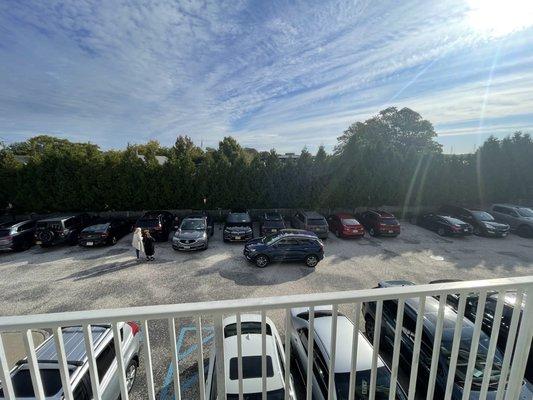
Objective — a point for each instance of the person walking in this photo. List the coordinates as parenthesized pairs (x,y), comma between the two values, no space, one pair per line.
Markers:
(149,247)
(137,242)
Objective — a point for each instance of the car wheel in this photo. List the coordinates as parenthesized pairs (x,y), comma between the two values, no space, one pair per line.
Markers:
(337,233)
(372,232)
(261,261)
(114,240)
(441,232)
(525,231)
(311,261)
(206,245)
(131,373)
(477,232)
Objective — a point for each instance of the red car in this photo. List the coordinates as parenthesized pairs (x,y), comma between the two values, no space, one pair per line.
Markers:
(379,223)
(345,225)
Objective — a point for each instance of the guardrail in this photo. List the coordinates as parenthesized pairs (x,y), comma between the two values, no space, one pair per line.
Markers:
(511,374)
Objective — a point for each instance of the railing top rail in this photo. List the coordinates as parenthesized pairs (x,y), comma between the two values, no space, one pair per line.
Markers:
(231,306)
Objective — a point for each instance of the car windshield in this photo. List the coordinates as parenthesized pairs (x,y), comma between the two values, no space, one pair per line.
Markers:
(97,228)
(193,225)
(362,385)
(452,220)
(525,212)
(350,221)
(271,395)
(482,216)
(316,221)
(148,223)
(238,217)
(250,327)
(273,217)
(269,239)
(480,363)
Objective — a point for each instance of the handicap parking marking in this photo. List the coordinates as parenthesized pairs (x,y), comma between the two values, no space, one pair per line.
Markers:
(186,384)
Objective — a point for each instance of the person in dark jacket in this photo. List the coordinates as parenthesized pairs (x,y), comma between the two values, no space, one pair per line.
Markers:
(148,244)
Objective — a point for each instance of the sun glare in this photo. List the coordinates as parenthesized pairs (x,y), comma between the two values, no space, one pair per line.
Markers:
(500,17)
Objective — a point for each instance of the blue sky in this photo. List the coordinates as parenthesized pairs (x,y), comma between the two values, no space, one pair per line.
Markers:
(273,74)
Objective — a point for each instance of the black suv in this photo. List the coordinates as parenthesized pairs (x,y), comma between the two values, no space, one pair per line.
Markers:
(64,229)
(388,324)
(105,232)
(270,222)
(509,302)
(483,223)
(238,227)
(159,223)
(293,245)
(17,235)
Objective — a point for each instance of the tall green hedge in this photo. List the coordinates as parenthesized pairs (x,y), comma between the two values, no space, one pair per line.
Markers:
(391,159)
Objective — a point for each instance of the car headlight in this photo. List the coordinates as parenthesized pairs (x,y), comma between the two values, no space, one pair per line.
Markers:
(252,250)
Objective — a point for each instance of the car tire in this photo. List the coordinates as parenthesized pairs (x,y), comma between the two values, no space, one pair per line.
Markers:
(477,231)
(113,240)
(311,261)
(524,231)
(372,232)
(441,232)
(131,374)
(261,261)
(206,245)
(337,233)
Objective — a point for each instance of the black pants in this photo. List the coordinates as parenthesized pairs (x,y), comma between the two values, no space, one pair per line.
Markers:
(138,253)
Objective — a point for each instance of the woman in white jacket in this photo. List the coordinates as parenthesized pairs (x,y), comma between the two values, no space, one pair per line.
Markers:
(137,242)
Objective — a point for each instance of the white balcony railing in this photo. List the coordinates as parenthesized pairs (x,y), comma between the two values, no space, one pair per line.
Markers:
(511,373)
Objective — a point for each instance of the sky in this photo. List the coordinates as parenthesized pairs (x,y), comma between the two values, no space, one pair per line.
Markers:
(273,74)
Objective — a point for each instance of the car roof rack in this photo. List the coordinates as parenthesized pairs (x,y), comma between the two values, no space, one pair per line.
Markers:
(71,362)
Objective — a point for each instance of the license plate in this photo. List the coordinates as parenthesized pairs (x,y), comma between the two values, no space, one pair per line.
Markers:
(186,247)
(274,230)
(237,238)
(391,231)
(466,230)
(38,242)
(504,234)
(89,243)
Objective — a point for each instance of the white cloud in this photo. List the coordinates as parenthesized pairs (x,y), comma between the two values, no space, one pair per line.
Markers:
(273,74)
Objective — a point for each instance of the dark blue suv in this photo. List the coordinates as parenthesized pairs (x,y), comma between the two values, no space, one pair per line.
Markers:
(287,245)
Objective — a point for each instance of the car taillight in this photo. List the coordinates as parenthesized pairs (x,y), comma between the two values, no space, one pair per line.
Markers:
(134,327)
(104,234)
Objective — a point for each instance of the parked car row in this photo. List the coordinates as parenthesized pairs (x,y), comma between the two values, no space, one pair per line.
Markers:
(322,339)
(194,230)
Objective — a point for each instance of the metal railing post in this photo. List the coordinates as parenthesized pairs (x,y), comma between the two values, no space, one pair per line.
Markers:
(219,351)
(523,344)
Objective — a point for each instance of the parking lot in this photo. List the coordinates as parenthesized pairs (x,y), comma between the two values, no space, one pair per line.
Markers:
(68,278)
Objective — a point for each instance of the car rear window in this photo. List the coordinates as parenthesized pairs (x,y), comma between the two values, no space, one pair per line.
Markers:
(246,327)
(274,224)
(148,223)
(350,221)
(23,387)
(316,221)
(251,367)
(97,228)
(239,217)
(49,224)
(389,221)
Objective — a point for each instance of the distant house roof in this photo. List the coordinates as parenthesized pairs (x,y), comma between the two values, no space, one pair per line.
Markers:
(161,160)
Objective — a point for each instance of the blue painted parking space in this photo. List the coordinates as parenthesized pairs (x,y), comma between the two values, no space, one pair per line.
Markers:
(185,351)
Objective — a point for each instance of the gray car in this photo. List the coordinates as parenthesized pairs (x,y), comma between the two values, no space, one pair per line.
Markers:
(311,221)
(106,363)
(519,218)
(191,235)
